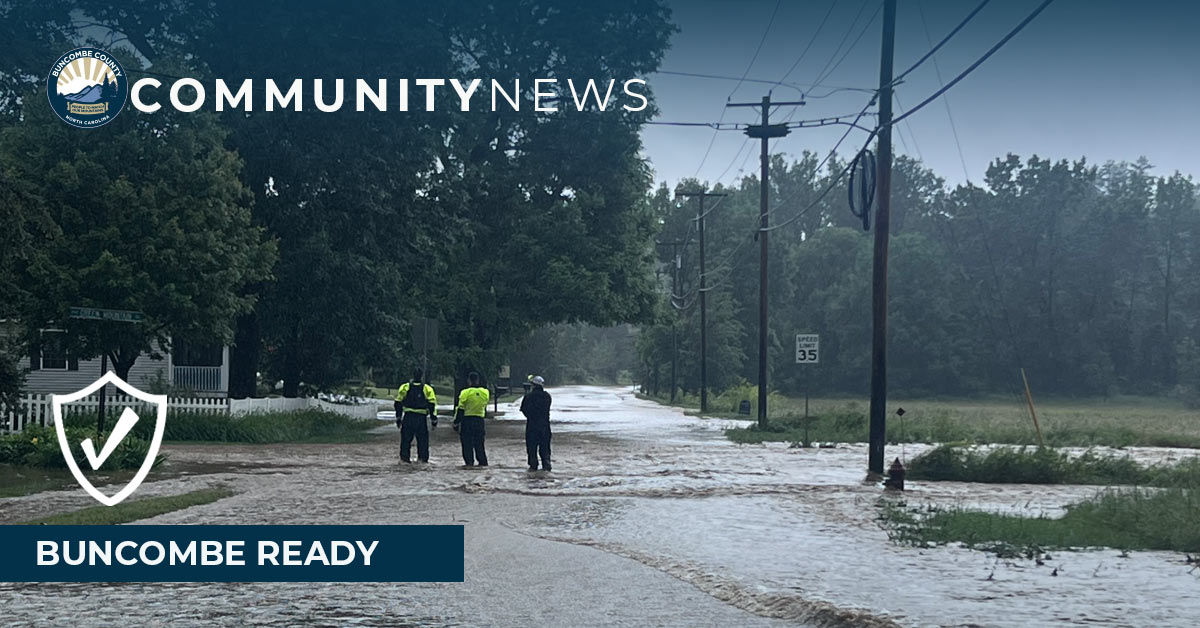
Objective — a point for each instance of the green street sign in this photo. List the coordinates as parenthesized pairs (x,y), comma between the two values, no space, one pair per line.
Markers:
(99,314)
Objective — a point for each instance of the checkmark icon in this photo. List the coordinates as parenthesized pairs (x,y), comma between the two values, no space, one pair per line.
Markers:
(128,419)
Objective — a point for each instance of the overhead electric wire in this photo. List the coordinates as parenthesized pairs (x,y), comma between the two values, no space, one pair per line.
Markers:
(798,87)
(720,77)
(817,170)
(934,49)
(761,41)
(832,183)
(827,71)
(742,126)
(846,36)
(912,136)
(945,99)
(745,143)
(1025,22)
(811,41)
(865,28)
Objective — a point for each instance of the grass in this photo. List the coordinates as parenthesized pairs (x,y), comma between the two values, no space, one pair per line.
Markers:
(128,511)
(1129,519)
(1117,422)
(1044,465)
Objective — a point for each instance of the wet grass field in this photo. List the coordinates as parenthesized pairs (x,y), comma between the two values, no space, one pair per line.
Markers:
(1115,422)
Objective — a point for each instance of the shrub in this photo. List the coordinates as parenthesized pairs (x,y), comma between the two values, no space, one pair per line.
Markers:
(258,427)
(38,447)
(1122,519)
(1044,465)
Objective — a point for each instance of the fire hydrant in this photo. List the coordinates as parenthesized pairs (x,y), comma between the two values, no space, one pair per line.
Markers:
(895,476)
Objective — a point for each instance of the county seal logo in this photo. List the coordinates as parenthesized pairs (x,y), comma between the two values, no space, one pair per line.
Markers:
(87,87)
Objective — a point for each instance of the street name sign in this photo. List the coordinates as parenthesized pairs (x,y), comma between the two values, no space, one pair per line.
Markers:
(99,314)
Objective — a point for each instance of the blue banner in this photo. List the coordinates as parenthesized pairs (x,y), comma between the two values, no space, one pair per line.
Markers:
(237,553)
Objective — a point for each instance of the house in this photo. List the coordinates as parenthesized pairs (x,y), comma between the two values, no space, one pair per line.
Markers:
(199,370)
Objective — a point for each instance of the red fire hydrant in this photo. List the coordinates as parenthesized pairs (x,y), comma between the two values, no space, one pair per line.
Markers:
(895,476)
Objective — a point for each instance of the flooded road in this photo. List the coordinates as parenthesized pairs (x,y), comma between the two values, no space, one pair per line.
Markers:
(651,518)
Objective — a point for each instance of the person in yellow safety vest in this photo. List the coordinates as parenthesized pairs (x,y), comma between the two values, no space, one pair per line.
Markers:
(472,405)
(415,400)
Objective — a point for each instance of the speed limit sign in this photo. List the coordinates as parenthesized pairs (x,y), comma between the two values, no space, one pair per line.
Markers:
(808,348)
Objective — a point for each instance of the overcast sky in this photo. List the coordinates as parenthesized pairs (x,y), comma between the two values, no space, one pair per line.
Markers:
(1105,79)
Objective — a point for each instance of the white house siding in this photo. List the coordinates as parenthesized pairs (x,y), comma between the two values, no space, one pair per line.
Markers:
(60,382)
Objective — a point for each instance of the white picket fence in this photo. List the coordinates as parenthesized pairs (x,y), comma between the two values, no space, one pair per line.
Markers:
(36,409)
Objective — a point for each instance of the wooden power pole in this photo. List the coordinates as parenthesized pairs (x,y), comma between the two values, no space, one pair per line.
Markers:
(703,291)
(764,132)
(676,262)
(879,290)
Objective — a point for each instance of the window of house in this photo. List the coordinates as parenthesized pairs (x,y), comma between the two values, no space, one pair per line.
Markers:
(54,351)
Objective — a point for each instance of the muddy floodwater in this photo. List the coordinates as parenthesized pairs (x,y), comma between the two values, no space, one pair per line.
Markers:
(650,518)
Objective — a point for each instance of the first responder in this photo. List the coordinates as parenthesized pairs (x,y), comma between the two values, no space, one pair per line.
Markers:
(415,401)
(472,405)
(536,408)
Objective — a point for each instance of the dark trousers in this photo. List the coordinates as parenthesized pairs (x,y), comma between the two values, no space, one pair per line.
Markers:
(414,425)
(537,442)
(470,432)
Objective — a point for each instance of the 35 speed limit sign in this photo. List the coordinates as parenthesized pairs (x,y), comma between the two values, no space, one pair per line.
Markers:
(808,348)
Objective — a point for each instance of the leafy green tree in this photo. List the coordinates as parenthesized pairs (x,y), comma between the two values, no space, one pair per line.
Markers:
(16,222)
(1083,275)
(557,224)
(142,214)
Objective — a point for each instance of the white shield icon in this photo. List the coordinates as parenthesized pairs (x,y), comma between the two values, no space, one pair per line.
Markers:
(128,418)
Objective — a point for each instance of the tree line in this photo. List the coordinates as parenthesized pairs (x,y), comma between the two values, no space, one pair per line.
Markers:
(1087,276)
(309,241)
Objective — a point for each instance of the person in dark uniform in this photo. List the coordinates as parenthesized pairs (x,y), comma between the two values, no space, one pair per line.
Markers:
(415,401)
(536,408)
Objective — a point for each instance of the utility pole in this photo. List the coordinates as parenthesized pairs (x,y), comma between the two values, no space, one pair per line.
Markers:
(703,290)
(678,263)
(883,189)
(764,132)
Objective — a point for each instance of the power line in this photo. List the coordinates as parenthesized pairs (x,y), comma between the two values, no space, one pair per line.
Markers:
(811,41)
(923,103)
(946,99)
(742,126)
(799,87)
(716,126)
(837,50)
(1025,22)
(862,32)
(912,136)
(745,143)
(832,183)
(828,156)
(721,77)
(827,71)
(941,43)
(761,41)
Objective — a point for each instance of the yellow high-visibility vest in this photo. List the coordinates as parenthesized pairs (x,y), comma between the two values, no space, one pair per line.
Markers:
(473,401)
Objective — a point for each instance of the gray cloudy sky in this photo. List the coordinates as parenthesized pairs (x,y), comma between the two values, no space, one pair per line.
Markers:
(1105,79)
